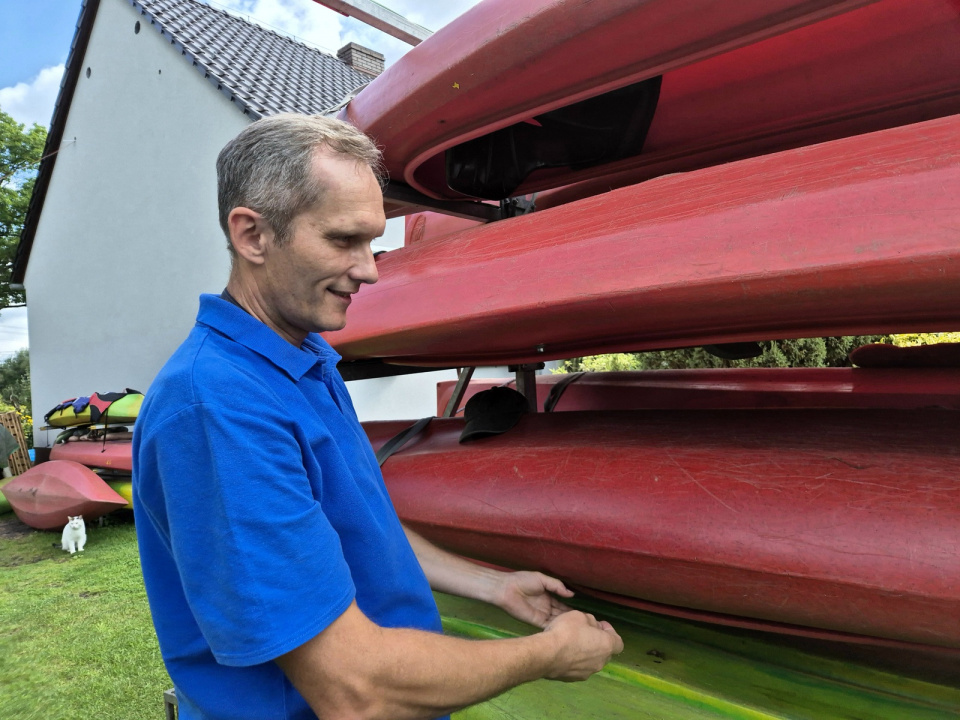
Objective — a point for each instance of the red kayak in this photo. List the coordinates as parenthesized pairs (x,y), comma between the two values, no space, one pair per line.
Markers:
(856,236)
(517,97)
(734,388)
(843,520)
(46,494)
(110,454)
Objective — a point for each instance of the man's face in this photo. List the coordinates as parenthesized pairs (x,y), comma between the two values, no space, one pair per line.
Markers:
(307,283)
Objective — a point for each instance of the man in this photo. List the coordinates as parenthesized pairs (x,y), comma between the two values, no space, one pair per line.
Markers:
(281,582)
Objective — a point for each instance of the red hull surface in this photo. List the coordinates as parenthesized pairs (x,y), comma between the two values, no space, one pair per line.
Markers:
(112,454)
(736,388)
(840,520)
(46,494)
(745,79)
(851,237)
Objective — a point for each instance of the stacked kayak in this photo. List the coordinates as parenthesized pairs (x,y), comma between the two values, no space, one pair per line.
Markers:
(772,170)
(519,97)
(96,436)
(843,520)
(654,265)
(46,494)
(106,454)
(103,408)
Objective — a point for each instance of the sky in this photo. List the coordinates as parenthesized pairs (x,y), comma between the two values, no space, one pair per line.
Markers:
(35,37)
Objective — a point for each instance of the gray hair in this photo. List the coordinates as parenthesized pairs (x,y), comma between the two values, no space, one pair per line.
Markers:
(268,167)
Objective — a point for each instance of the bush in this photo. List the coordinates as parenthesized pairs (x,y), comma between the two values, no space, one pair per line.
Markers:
(803,352)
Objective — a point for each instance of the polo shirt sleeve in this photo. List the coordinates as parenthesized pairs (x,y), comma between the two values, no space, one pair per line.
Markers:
(261,567)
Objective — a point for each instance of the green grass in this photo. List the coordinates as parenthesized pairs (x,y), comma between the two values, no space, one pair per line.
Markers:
(76,638)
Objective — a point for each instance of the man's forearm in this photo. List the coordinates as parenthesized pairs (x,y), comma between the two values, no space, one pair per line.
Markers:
(451,574)
(355,669)
(422,675)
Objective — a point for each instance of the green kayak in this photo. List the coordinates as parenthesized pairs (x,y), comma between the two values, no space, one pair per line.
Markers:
(674,669)
(4,503)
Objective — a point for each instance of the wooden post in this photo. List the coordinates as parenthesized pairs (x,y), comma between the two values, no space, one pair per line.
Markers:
(19,458)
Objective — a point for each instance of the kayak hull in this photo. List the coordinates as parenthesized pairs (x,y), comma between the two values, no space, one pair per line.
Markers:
(681,670)
(837,519)
(748,79)
(654,266)
(109,454)
(45,495)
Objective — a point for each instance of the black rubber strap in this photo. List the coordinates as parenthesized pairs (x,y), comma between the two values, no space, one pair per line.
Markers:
(557,390)
(401,439)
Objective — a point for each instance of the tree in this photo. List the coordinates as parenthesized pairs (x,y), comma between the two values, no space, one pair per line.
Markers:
(15,390)
(804,352)
(15,379)
(20,153)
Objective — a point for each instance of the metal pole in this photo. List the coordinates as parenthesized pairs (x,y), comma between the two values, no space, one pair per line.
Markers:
(527,382)
(458,391)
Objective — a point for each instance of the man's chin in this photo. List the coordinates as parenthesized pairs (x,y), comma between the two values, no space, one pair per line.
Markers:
(332,325)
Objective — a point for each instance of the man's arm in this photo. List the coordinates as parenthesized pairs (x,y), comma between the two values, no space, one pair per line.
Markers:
(525,595)
(357,670)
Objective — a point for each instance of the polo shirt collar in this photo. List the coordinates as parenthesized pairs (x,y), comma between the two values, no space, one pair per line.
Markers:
(238,325)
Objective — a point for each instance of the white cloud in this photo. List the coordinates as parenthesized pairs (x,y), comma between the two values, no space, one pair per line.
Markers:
(323,28)
(314,24)
(32,102)
(433,14)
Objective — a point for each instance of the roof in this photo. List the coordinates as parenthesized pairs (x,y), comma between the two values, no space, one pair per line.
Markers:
(262,72)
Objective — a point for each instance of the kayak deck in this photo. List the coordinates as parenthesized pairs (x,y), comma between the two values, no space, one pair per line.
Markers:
(678,669)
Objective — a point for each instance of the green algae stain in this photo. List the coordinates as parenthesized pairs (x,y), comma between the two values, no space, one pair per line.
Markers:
(677,670)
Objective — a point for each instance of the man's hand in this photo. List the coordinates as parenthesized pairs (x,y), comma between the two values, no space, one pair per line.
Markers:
(585,645)
(527,596)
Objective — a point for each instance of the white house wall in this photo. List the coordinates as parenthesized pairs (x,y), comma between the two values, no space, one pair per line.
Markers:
(128,237)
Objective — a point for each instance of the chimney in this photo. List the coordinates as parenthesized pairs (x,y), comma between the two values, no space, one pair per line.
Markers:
(360,58)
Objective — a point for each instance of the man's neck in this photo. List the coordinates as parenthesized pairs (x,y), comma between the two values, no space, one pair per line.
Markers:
(245,296)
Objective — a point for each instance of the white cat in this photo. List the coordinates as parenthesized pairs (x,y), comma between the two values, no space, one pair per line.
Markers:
(74,534)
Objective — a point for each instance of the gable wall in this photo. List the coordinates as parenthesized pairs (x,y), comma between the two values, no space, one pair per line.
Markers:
(128,237)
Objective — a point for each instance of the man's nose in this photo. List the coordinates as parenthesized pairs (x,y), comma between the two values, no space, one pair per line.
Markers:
(365,266)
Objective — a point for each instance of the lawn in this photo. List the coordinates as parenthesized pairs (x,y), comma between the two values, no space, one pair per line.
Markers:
(76,639)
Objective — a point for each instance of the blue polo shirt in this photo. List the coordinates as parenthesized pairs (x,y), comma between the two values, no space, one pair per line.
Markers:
(261,515)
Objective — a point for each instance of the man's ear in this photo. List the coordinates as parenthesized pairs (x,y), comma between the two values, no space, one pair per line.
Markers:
(250,234)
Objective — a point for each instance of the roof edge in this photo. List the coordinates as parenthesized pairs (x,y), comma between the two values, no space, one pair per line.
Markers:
(71,75)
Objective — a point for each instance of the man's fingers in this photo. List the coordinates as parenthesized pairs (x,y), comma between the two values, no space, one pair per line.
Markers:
(618,643)
(555,586)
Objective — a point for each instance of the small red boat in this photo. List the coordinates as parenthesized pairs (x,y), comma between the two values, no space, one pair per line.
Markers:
(655,265)
(109,454)
(46,494)
(735,388)
(843,520)
(519,97)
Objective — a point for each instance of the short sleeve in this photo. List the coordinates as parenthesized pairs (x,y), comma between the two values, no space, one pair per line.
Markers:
(261,567)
